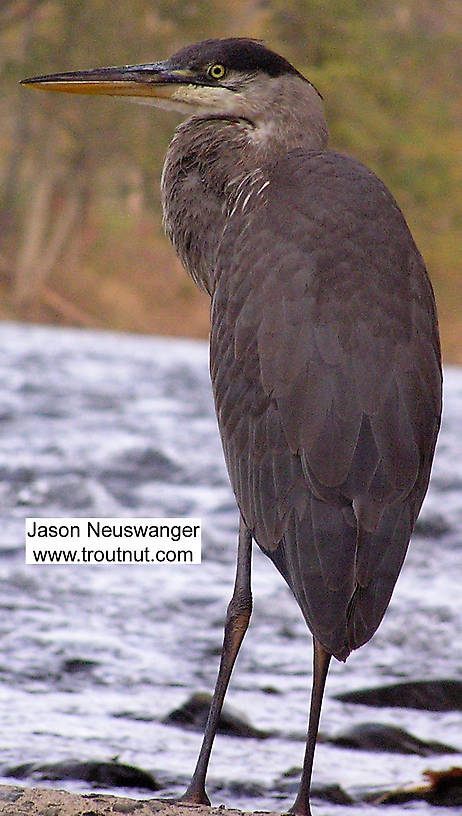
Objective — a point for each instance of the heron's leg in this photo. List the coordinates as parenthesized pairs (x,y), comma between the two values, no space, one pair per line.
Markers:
(321,660)
(237,621)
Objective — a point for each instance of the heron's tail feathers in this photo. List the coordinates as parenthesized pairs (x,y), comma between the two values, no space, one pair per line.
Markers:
(343,577)
(379,558)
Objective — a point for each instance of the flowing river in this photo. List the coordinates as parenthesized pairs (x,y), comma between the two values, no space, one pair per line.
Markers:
(92,658)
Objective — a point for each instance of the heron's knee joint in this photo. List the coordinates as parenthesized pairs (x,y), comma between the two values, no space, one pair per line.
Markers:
(239,611)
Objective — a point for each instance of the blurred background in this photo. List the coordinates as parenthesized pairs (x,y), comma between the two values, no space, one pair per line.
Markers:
(81,240)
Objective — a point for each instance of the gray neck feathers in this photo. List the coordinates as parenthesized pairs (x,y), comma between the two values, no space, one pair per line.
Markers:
(216,167)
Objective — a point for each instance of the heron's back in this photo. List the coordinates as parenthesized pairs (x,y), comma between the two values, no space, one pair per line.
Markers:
(326,371)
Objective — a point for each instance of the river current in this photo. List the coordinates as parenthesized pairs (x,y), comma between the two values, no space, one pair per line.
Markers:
(92,658)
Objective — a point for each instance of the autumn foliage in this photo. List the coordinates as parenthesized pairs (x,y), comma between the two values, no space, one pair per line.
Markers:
(81,239)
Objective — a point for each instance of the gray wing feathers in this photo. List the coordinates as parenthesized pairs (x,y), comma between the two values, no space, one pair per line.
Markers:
(325,367)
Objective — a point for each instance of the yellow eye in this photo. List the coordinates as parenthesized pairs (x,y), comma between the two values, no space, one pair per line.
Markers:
(217,71)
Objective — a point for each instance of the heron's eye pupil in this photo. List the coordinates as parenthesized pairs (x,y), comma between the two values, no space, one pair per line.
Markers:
(217,71)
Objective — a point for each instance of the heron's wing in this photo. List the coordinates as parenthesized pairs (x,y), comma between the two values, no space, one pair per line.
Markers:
(325,366)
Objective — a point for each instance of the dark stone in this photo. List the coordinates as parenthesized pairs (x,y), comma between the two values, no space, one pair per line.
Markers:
(19,771)
(126,807)
(194,712)
(293,771)
(139,465)
(381,737)
(8,795)
(238,789)
(432,527)
(111,774)
(327,793)
(430,695)
(77,665)
(331,793)
(444,789)
(270,690)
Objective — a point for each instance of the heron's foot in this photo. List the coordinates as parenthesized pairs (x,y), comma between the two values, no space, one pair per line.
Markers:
(300,809)
(195,795)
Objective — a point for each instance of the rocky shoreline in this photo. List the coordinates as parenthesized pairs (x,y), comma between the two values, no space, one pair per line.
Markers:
(441,788)
(18,801)
(438,787)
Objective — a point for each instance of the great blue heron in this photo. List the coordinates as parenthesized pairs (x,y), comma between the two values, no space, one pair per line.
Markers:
(324,357)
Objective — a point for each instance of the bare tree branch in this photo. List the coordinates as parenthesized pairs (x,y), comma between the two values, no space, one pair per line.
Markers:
(34,236)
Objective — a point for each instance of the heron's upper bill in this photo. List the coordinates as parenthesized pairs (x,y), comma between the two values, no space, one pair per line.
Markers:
(151,79)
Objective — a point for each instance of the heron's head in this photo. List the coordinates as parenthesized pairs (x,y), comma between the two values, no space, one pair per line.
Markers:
(231,78)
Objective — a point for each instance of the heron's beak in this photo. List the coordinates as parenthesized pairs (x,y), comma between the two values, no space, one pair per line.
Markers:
(155,79)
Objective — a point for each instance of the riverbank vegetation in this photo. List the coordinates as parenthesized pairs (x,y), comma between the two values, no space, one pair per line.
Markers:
(81,240)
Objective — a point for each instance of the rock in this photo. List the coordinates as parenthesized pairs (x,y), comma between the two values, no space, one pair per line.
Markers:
(444,788)
(270,690)
(326,793)
(112,774)
(194,712)
(8,794)
(49,802)
(434,527)
(239,790)
(381,737)
(78,665)
(430,695)
(331,793)
(142,464)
